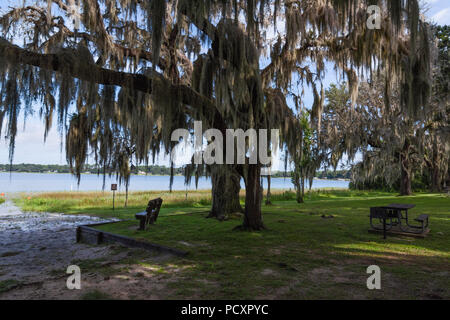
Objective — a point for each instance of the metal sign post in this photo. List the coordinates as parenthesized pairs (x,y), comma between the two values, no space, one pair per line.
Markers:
(114,189)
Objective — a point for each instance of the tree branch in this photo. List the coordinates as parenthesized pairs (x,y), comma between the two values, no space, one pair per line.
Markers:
(93,73)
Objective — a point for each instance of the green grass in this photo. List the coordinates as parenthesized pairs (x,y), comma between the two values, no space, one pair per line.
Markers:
(100,203)
(300,256)
(2,200)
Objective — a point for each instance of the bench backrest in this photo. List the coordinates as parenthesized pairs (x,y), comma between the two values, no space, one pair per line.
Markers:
(153,208)
(379,213)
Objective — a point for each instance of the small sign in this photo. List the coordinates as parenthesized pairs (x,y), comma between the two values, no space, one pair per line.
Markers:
(114,187)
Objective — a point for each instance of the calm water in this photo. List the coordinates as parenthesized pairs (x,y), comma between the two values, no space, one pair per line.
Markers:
(36,182)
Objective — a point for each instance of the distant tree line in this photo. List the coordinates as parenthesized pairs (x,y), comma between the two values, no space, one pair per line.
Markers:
(150,170)
(420,183)
(334,175)
(35,168)
(51,168)
(329,175)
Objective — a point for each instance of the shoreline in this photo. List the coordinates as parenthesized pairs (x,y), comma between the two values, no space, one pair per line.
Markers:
(277,190)
(64,182)
(149,175)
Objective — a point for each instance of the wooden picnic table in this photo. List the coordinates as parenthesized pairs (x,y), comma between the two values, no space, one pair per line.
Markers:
(400,206)
(396,211)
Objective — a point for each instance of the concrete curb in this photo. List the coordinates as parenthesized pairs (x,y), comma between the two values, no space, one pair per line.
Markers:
(88,234)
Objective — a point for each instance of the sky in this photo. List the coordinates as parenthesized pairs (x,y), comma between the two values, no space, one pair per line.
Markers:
(30,146)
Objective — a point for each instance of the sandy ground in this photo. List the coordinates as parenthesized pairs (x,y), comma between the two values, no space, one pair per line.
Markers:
(37,248)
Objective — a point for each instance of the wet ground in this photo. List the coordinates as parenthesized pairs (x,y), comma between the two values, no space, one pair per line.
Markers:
(37,248)
(34,246)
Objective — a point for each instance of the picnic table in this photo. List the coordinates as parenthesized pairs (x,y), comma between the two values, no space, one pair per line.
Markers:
(397,213)
(396,210)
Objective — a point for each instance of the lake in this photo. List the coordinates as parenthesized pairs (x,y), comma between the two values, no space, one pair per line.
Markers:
(39,182)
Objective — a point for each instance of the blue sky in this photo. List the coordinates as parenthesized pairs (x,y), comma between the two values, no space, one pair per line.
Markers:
(30,141)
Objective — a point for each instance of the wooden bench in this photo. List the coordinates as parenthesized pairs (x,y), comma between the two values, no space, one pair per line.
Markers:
(150,215)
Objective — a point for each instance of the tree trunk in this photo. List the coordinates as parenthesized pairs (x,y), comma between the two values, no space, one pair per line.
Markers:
(299,194)
(298,189)
(172,173)
(226,186)
(268,201)
(405,182)
(303,189)
(253,198)
(436,182)
(126,195)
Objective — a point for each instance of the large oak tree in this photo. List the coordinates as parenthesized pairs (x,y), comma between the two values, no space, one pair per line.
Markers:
(141,69)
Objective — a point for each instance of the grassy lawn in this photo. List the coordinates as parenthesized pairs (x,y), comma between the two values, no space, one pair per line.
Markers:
(300,256)
(100,203)
(2,200)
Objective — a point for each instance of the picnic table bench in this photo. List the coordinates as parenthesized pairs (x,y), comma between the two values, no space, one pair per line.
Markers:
(393,215)
(150,215)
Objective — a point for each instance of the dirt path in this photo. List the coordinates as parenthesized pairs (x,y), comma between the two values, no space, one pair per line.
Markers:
(37,248)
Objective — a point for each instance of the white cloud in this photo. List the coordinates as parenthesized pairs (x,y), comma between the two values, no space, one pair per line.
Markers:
(442,17)
(30,146)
